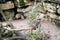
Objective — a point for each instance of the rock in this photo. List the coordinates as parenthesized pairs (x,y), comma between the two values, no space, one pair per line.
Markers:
(59,10)
(52,15)
(4,24)
(27,1)
(26,14)
(8,5)
(9,14)
(50,7)
(10,19)
(42,10)
(20,15)
(28,9)
(40,16)
(57,6)
(4,30)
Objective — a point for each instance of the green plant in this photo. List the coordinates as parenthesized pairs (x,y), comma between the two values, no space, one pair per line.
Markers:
(32,17)
(34,11)
(57,22)
(36,35)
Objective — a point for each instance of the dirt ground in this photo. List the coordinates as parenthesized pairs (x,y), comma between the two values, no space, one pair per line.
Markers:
(51,30)
(47,28)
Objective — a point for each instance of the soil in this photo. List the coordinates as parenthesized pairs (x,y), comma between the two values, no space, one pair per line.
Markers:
(50,30)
